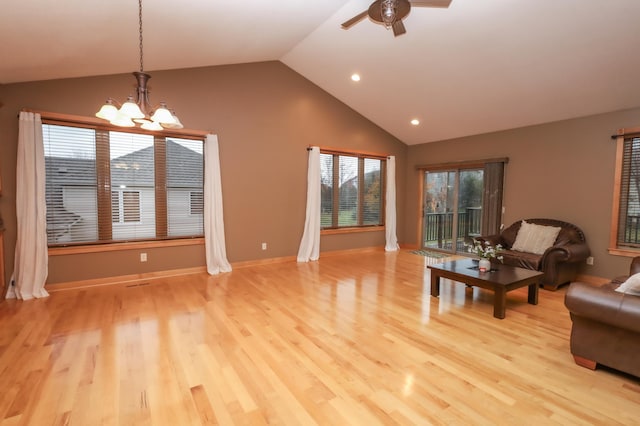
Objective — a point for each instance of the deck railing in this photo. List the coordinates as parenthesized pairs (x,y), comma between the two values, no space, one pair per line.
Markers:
(439,227)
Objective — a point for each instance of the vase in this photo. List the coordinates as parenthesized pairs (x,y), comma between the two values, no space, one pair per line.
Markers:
(484,265)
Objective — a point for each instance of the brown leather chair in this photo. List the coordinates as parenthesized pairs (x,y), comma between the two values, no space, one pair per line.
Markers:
(606,325)
(559,263)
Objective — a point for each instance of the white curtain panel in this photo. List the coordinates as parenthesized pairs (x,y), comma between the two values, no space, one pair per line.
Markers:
(31,257)
(310,243)
(390,209)
(214,241)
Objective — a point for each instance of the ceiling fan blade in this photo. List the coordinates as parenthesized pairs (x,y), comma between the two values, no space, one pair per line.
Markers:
(398,28)
(430,3)
(359,17)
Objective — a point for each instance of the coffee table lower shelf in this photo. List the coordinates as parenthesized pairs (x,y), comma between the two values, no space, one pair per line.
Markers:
(500,280)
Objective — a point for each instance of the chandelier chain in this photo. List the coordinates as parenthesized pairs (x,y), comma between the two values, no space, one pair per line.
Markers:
(140,31)
(139,111)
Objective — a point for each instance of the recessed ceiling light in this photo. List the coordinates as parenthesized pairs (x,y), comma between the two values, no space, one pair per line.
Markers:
(355,77)
(415,121)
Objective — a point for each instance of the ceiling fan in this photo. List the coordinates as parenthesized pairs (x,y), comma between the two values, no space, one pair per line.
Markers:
(390,13)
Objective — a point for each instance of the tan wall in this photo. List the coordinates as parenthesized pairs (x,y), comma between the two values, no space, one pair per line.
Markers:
(265,116)
(562,170)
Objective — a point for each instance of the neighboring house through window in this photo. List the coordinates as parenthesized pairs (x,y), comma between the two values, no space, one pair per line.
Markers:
(352,189)
(104,186)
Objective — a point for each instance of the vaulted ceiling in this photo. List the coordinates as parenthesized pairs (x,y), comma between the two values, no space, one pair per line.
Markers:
(476,67)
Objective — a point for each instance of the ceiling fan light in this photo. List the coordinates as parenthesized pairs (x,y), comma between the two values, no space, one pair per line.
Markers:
(388,12)
(108,111)
(131,109)
(162,115)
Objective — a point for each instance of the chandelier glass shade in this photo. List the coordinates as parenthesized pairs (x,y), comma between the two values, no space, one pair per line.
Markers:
(138,110)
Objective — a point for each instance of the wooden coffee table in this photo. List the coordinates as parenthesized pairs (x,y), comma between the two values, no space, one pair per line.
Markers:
(501,279)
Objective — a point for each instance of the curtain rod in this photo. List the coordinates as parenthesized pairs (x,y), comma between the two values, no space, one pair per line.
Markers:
(461,164)
(626,132)
(330,150)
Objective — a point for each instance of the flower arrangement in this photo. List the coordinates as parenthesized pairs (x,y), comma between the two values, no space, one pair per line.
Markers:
(485,250)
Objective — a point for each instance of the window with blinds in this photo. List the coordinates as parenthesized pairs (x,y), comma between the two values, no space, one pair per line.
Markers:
(132,164)
(185,199)
(107,186)
(628,234)
(71,184)
(372,198)
(351,190)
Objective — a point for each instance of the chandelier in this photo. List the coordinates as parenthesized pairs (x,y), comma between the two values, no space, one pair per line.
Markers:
(139,111)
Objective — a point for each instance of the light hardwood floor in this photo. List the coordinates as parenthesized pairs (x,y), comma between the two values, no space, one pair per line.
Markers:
(352,339)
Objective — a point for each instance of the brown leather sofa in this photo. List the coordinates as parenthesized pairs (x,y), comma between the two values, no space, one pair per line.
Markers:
(559,263)
(606,325)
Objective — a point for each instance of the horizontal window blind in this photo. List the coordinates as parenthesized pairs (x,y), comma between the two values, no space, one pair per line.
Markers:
(326,190)
(132,162)
(70,191)
(372,195)
(348,207)
(185,200)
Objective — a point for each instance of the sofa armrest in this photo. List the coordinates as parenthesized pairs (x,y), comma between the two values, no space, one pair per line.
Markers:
(635,266)
(571,253)
(604,305)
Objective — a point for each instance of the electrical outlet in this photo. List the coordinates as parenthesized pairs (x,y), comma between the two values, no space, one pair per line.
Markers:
(143,257)
(264,246)
(590,260)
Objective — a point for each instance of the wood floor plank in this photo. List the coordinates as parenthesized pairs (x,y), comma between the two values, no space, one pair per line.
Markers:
(352,339)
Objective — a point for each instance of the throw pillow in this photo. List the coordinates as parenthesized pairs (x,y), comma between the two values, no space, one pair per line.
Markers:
(534,238)
(631,285)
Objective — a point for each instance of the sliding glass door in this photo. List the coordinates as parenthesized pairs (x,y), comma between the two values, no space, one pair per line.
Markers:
(452,208)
